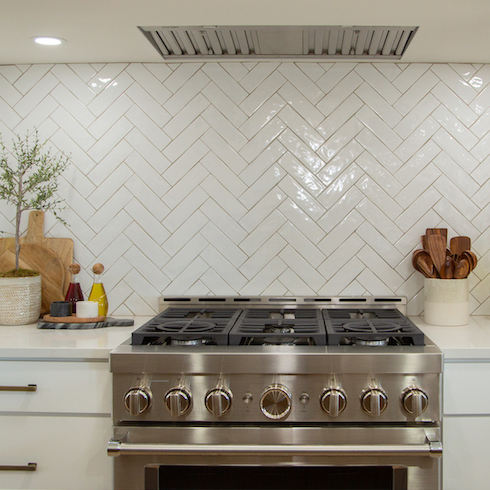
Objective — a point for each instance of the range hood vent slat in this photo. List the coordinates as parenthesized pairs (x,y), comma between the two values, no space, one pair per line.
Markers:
(269,42)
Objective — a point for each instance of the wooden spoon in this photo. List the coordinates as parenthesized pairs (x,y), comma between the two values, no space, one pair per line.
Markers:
(437,251)
(425,265)
(447,271)
(462,269)
(458,245)
(470,257)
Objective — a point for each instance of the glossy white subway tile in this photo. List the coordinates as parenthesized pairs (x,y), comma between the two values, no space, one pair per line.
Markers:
(302,244)
(417,139)
(465,182)
(298,78)
(301,174)
(416,116)
(337,94)
(297,100)
(378,149)
(261,187)
(300,127)
(336,119)
(261,177)
(301,151)
(223,150)
(416,92)
(175,125)
(299,195)
(256,168)
(378,82)
(301,220)
(149,86)
(455,82)
(257,75)
(262,256)
(262,116)
(224,104)
(452,147)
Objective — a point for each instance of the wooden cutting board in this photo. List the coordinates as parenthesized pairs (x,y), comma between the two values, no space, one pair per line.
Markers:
(44,261)
(61,247)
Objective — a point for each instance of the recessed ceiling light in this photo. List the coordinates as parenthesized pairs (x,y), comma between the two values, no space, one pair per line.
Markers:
(48,41)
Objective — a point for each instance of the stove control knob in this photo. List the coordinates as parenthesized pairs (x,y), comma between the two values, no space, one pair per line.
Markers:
(333,401)
(178,401)
(137,401)
(275,402)
(218,401)
(415,401)
(374,401)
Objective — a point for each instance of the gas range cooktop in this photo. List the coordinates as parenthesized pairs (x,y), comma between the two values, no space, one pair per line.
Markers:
(367,321)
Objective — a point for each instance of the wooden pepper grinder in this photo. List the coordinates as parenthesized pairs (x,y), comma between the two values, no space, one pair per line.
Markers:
(74,292)
(98,292)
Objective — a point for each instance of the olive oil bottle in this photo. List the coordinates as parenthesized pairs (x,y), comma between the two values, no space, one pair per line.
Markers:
(97,293)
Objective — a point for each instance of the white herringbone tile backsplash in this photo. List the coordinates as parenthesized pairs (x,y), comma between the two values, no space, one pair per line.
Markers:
(260,178)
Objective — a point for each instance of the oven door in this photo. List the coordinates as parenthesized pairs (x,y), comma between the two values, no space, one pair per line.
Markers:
(282,457)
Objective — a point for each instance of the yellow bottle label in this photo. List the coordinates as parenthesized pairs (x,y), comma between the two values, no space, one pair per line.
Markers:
(98,294)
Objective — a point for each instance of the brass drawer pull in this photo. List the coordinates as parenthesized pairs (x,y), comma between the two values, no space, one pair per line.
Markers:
(19,388)
(28,467)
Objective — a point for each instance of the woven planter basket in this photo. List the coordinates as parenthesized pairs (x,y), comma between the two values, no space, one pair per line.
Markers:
(20,300)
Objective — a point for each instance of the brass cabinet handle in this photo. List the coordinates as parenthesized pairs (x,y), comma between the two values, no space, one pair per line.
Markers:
(28,467)
(19,388)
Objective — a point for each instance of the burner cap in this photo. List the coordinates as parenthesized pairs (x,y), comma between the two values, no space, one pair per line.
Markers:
(282,330)
(187,341)
(279,341)
(371,343)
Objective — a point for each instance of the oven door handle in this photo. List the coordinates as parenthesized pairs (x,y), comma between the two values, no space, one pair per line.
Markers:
(118,448)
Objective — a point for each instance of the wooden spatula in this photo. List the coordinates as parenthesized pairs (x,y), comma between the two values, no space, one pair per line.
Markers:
(437,251)
(436,231)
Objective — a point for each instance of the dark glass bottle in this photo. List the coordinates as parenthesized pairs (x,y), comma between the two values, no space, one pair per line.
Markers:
(74,292)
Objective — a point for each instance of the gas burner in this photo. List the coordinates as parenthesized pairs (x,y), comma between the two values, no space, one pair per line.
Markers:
(188,342)
(371,343)
(370,327)
(282,330)
(187,326)
(279,341)
(268,326)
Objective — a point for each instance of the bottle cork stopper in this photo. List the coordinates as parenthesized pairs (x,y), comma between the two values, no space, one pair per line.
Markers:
(98,269)
(74,268)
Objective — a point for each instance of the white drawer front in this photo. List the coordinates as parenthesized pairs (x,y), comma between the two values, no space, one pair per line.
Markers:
(62,387)
(70,452)
(465,455)
(466,388)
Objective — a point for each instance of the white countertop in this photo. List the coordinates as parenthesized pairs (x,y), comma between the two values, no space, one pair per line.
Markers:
(27,341)
(471,341)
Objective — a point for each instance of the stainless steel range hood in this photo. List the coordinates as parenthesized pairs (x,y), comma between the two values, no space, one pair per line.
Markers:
(269,42)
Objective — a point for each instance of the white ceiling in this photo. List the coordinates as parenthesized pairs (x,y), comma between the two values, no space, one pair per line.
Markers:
(451,31)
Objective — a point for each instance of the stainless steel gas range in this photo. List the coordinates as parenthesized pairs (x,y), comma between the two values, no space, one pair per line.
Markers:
(277,393)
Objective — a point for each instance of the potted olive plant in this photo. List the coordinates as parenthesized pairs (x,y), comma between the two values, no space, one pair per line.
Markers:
(29,183)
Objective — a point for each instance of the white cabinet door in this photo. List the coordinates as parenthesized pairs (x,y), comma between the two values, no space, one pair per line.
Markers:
(62,387)
(70,452)
(466,462)
(466,388)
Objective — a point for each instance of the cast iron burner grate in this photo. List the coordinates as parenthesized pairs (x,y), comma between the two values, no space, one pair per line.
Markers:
(281,326)
(349,326)
(185,326)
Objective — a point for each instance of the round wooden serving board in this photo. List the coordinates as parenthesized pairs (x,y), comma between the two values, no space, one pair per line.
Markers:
(72,319)
(44,261)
